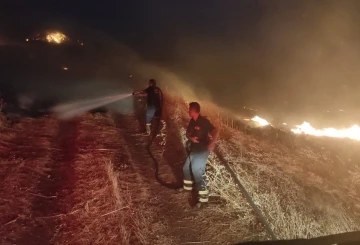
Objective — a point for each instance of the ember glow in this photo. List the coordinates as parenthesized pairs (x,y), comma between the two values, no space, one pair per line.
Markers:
(260,121)
(306,128)
(56,37)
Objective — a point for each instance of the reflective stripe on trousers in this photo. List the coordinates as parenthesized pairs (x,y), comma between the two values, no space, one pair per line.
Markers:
(188,185)
(196,164)
(204,196)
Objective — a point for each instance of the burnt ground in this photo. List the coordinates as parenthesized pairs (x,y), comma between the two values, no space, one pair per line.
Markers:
(91,181)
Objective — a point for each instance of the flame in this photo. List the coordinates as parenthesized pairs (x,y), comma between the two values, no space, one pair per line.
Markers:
(56,37)
(306,128)
(261,121)
(352,132)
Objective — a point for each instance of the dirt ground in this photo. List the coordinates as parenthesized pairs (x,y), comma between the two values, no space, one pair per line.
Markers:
(91,181)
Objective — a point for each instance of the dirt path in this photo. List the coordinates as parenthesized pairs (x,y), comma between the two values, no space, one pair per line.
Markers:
(177,220)
(164,202)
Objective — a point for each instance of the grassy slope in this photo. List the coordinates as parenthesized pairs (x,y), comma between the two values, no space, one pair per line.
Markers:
(303,189)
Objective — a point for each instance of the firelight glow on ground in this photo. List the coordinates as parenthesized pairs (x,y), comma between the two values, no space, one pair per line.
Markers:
(352,132)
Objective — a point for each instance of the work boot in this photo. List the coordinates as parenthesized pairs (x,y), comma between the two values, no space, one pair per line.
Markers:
(162,127)
(182,190)
(203,199)
(148,130)
(201,205)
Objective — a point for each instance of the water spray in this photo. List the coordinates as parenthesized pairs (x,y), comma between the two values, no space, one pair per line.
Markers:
(67,111)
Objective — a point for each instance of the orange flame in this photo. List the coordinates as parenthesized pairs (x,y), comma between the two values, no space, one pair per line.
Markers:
(306,128)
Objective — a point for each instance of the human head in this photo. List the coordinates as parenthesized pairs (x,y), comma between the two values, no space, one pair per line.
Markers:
(152,82)
(194,109)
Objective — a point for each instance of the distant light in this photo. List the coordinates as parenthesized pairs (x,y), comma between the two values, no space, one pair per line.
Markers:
(341,110)
(65,68)
(56,37)
(82,44)
(284,123)
(27,39)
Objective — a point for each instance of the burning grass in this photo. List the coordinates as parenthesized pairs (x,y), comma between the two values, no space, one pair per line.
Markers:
(301,191)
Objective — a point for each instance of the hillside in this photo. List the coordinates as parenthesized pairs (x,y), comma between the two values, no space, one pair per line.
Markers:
(91,181)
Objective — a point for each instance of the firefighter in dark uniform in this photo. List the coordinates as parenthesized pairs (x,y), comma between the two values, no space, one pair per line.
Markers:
(201,135)
(154,98)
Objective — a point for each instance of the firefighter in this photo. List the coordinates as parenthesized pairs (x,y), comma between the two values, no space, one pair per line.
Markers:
(153,108)
(202,136)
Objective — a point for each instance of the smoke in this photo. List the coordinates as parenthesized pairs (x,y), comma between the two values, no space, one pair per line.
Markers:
(101,67)
(312,56)
(290,59)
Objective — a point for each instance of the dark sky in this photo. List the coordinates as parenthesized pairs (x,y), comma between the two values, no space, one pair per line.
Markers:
(298,56)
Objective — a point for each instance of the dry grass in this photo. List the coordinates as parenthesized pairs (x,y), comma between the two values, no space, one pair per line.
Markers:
(108,199)
(107,212)
(299,191)
(23,163)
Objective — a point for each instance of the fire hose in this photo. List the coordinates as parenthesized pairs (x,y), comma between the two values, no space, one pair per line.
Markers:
(172,186)
(225,163)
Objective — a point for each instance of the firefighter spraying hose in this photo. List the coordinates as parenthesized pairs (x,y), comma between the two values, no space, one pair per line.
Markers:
(154,103)
(154,108)
(199,143)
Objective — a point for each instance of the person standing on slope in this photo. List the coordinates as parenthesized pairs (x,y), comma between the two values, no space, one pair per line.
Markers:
(154,98)
(202,136)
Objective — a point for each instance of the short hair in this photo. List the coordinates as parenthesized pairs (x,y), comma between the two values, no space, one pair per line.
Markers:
(152,81)
(195,106)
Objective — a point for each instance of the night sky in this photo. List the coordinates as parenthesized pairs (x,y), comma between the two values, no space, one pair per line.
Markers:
(290,58)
